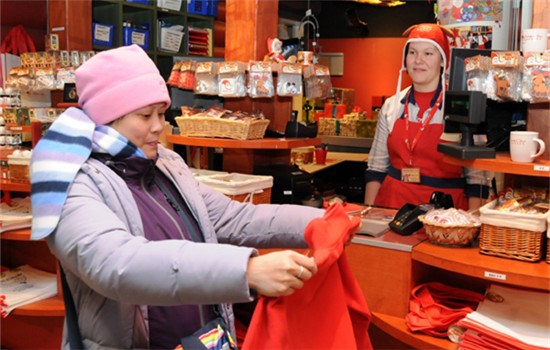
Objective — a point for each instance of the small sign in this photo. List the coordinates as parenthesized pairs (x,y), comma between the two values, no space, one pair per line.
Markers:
(494,275)
(541,168)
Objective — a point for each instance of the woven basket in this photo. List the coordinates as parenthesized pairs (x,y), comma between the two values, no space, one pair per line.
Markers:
(241,187)
(226,128)
(512,235)
(257,197)
(511,243)
(450,236)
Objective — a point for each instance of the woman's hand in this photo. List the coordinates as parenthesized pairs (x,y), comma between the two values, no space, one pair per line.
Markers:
(279,273)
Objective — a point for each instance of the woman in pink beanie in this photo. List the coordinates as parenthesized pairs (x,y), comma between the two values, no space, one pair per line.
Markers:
(150,254)
(404,165)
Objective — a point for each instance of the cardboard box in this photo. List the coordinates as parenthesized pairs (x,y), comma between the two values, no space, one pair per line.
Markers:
(345,97)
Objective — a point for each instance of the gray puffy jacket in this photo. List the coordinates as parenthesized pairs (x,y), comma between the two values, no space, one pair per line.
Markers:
(114,272)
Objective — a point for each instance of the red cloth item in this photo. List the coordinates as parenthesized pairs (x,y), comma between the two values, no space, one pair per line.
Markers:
(330,311)
(434,307)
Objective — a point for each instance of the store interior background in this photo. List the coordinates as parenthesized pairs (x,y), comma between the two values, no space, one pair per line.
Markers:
(371,59)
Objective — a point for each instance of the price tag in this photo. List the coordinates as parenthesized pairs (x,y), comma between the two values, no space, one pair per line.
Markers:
(541,168)
(494,275)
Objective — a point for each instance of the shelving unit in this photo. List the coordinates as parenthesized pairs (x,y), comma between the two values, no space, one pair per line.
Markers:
(116,12)
(462,267)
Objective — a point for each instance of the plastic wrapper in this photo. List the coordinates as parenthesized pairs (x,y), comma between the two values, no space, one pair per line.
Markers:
(536,77)
(317,82)
(44,79)
(260,79)
(174,78)
(186,78)
(206,76)
(506,69)
(451,217)
(289,81)
(231,79)
(477,73)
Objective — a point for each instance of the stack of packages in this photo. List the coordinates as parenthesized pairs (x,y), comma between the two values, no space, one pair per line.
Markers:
(508,319)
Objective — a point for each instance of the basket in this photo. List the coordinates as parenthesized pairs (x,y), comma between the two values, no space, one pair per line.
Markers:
(19,169)
(242,187)
(450,235)
(512,235)
(219,127)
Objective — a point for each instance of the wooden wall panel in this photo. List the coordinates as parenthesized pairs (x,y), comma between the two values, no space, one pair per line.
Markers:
(72,21)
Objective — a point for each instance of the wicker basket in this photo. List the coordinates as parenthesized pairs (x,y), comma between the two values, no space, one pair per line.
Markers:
(450,235)
(219,127)
(512,235)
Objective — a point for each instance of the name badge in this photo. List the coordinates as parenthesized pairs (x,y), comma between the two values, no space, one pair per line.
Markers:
(410,175)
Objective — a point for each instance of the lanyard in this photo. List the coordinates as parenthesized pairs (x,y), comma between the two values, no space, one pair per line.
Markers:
(411,146)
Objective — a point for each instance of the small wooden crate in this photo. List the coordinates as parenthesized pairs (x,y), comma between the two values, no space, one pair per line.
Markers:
(219,127)
(512,235)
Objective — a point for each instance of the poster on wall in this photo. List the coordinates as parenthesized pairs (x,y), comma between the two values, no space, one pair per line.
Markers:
(456,12)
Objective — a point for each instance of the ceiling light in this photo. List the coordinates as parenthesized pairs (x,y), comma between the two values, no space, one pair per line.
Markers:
(385,3)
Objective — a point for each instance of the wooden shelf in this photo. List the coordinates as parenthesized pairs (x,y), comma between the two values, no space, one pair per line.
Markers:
(397,328)
(23,234)
(470,262)
(268,143)
(7,185)
(503,164)
(44,308)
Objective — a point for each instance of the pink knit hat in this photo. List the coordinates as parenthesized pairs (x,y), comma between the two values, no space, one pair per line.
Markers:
(116,82)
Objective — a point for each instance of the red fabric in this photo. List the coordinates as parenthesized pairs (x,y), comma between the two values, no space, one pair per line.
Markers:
(395,193)
(434,307)
(330,311)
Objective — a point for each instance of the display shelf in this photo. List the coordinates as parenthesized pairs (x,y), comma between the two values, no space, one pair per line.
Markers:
(23,234)
(7,185)
(397,328)
(267,143)
(502,163)
(53,306)
(470,262)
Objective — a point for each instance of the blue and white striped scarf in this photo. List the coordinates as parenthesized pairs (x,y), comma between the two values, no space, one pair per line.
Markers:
(57,158)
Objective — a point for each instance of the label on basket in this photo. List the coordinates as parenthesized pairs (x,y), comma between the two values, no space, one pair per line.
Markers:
(494,275)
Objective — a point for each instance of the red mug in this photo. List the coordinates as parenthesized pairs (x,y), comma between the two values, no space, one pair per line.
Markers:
(320,156)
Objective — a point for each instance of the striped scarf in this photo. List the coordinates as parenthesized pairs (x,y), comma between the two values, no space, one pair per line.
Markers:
(57,158)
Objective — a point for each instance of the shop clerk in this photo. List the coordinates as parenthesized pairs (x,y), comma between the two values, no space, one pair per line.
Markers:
(148,250)
(404,165)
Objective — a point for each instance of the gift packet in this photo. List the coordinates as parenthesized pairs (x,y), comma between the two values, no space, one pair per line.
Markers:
(506,69)
(477,73)
(317,82)
(173,79)
(289,81)
(231,79)
(536,77)
(260,79)
(206,75)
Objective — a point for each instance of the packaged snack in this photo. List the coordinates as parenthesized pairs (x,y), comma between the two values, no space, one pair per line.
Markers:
(536,77)
(206,76)
(506,67)
(187,78)
(44,79)
(317,81)
(289,81)
(477,73)
(260,79)
(231,79)
(174,78)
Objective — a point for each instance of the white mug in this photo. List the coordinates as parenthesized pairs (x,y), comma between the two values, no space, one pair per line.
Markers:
(534,40)
(523,146)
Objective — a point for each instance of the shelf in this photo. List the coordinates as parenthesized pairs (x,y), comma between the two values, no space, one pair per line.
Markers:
(23,234)
(268,143)
(7,185)
(502,163)
(44,308)
(470,262)
(397,328)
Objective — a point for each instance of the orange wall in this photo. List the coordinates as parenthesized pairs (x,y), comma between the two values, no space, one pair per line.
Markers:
(371,66)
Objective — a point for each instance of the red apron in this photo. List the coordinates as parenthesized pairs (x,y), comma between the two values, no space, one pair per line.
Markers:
(395,193)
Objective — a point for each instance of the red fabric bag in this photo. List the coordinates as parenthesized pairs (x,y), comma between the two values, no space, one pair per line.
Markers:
(434,307)
(17,41)
(330,311)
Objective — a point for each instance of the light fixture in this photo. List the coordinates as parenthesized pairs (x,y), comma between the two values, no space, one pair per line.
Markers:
(384,3)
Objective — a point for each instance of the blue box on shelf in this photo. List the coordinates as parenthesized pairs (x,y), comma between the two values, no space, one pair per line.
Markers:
(102,34)
(198,7)
(143,2)
(136,36)
(213,8)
